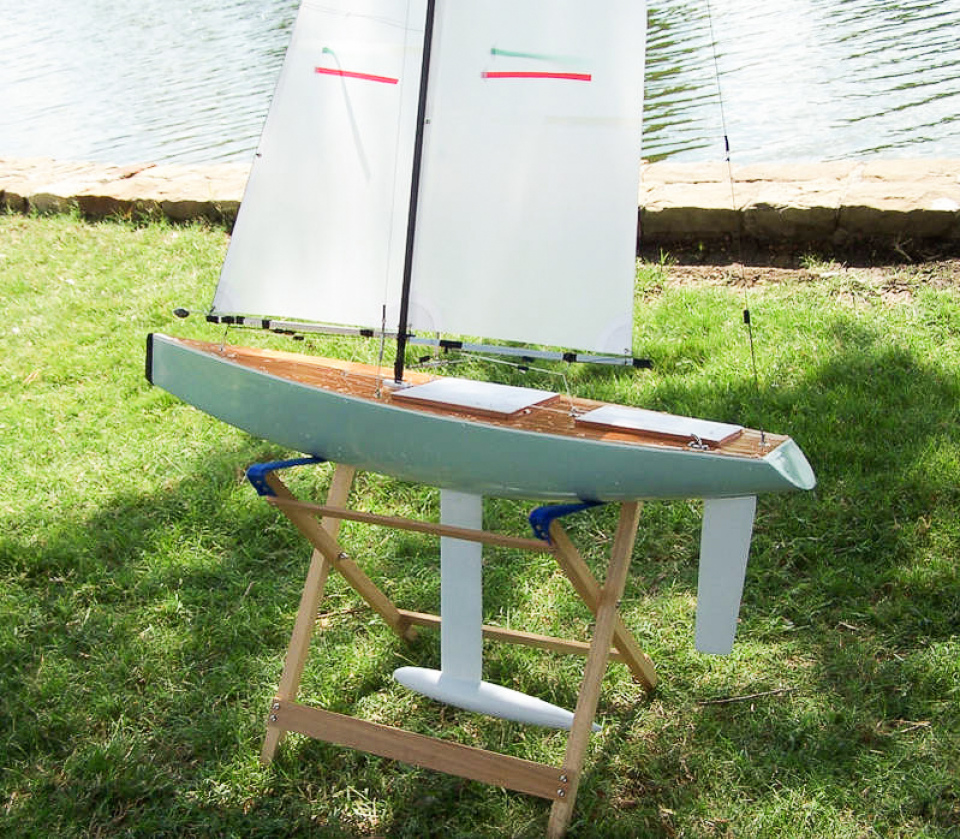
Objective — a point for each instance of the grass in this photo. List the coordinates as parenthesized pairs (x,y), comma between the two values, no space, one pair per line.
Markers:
(146,593)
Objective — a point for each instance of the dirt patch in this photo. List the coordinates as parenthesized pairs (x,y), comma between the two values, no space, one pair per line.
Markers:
(894,283)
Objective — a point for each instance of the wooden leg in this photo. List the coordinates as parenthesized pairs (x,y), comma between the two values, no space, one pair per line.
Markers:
(307,613)
(299,646)
(579,574)
(596,666)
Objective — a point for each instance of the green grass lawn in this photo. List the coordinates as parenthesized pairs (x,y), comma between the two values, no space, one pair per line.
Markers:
(147,593)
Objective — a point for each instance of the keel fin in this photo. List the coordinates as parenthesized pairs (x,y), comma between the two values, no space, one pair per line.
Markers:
(485,698)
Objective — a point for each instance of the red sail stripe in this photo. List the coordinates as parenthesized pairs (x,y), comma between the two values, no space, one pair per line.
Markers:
(577,77)
(347,74)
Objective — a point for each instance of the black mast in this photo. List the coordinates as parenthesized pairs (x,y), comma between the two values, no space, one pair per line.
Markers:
(414,192)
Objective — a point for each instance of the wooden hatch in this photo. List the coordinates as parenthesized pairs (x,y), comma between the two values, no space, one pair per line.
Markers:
(656,424)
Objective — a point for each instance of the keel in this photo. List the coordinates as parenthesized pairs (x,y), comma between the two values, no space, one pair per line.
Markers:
(459,681)
(485,698)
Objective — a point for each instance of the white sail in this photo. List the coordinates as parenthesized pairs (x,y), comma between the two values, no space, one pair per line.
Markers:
(321,230)
(528,202)
(528,193)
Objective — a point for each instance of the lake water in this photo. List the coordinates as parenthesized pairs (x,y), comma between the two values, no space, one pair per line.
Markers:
(189,81)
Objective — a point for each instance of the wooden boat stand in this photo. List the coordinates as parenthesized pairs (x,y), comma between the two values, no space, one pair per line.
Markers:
(320,525)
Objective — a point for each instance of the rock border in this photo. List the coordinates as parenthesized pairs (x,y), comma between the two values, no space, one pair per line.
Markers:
(96,190)
(897,203)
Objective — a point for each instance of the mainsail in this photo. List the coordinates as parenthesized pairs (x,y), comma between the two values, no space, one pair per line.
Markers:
(527,223)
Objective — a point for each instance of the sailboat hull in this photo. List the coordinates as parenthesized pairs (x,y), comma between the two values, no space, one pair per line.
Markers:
(453,451)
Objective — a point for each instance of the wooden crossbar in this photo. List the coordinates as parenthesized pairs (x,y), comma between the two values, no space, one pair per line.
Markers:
(487,537)
(564,646)
(445,756)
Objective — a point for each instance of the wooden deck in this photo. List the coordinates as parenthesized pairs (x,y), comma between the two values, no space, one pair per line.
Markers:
(365,381)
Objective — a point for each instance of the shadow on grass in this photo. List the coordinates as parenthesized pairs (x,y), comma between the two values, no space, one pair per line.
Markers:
(136,689)
(150,635)
(150,640)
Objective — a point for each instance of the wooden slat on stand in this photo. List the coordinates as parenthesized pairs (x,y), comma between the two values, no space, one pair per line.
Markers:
(610,639)
(299,645)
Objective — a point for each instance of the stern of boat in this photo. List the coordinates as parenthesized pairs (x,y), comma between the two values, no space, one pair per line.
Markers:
(791,463)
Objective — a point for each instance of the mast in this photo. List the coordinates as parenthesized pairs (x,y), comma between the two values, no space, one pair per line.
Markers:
(414,193)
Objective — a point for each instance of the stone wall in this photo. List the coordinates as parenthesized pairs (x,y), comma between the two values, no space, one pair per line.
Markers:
(900,203)
(97,190)
(836,204)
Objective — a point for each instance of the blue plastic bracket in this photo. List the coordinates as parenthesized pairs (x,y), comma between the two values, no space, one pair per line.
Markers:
(257,474)
(542,517)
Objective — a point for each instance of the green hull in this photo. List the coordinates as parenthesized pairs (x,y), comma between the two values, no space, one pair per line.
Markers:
(453,453)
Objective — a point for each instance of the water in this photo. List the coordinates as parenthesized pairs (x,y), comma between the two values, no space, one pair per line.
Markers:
(185,81)
(804,79)
(189,81)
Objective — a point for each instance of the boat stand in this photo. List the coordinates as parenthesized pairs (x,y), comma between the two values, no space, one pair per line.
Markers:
(611,640)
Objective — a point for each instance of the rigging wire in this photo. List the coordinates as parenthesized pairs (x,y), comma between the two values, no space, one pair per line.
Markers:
(383,341)
(738,238)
